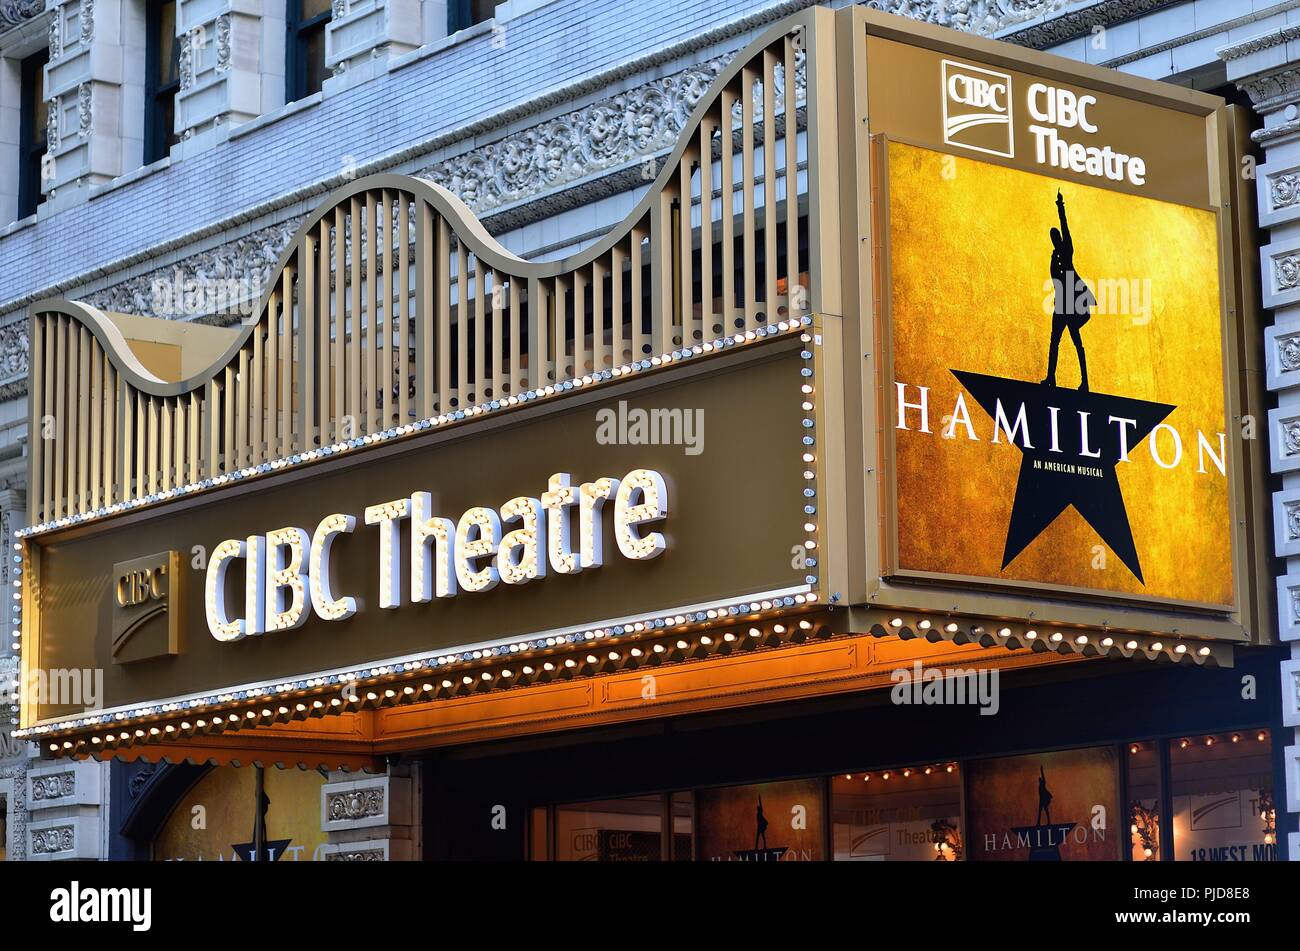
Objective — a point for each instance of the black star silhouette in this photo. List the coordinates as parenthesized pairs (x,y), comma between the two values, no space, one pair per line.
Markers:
(1074,467)
(272,850)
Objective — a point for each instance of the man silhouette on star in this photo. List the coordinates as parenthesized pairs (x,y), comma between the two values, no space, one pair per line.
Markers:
(1074,299)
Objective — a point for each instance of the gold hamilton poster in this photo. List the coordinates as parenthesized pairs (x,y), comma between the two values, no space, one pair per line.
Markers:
(1071,796)
(1058,400)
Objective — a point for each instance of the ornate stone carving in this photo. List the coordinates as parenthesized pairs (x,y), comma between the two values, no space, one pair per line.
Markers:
(354,804)
(14,12)
(56,34)
(1280,131)
(53,786)
(1291,436)
(10,748)
(989,17)
(185,61)
(1292,520)
(339,9)
(1256,44)
(141,779)
(1286,271)
(1283,190)
(1268,90)
(357,855)
(52,125)
(13,349)
(85,111)
(250,261)
(1002,17)
(603,135)
(87,22)
(1288,352)
(50,841)
(223,43)
(17,811)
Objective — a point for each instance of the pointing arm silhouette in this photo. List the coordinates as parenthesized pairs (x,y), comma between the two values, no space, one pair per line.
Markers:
(1065,225)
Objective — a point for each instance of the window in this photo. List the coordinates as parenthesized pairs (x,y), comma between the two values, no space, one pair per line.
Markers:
(1222,786)
(32,127)
(628,829)
(305,70)
(1144,796)
(462,14)
(902,814)
(162,80)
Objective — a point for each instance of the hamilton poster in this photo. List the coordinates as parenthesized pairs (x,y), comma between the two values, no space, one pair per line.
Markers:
(1058,399)
(1045,807)
(767,822)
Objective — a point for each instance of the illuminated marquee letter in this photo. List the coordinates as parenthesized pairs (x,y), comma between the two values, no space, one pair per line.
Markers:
(286,570)
(557,499)
(388,517)
(592,498)
(323,602)
(255,585)
(628,514)
(429,529)
(222,626)
(477,535)
(519,559)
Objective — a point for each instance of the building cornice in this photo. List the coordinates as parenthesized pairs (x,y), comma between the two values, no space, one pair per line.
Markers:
(1216,29)
(1038,24)
(1257,44)
(1271,80)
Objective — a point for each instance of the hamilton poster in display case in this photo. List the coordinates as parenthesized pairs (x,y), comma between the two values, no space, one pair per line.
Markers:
(1059,409)
(1045,807)
(1058,386)
(764,822)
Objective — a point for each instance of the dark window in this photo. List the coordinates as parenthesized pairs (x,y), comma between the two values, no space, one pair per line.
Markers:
(462,14)
(305,69)
(31,131)
(162,80)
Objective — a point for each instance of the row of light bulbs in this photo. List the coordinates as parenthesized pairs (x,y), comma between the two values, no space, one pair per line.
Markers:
(907,772)
(372,696)
(1211,739)
(1054,639)
(651,625)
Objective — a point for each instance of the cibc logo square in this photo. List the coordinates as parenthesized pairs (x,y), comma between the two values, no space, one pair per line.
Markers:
(977,109)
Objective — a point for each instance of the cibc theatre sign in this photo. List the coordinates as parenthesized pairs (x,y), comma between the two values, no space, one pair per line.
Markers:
(287,571)
(520,526)
(1058,401)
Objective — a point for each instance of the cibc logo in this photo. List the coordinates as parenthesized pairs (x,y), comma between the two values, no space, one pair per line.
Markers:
(977,109)
(146,607)
(142,585)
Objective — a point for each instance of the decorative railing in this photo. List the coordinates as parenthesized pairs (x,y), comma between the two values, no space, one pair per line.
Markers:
(393,304)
